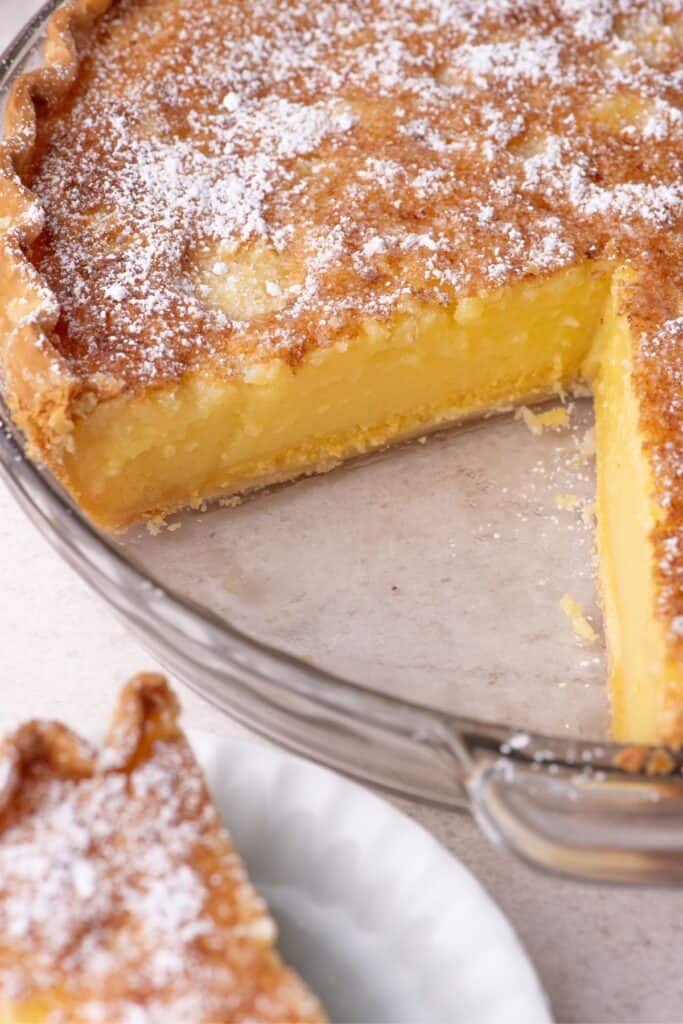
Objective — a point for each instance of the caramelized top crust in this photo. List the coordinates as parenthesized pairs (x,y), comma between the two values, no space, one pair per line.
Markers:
(229,181)
(121,898)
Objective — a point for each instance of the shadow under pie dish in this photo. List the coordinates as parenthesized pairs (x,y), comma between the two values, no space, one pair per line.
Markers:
(121,896)
(241,244)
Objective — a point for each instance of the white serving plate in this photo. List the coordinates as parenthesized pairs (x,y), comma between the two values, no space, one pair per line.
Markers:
(380,920)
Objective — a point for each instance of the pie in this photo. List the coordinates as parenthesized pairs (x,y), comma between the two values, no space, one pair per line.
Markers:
(122,900)
(245,241)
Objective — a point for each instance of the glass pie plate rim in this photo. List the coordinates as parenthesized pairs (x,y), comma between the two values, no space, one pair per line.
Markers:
(563,805)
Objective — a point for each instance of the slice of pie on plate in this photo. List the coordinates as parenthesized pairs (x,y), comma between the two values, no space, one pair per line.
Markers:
(122,900)
(242,242)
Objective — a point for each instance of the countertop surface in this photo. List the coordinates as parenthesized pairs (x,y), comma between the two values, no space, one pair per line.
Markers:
(603,954)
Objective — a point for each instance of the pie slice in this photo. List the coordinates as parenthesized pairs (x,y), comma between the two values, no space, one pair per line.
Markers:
(242,242)
(122,900)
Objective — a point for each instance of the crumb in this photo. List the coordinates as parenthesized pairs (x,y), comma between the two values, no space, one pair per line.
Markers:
(588,513)
(230,502)
(580,624)
(567,502)
(660,762)
(636,759)
(631,759)
(537,422)
(155,524)
(587,444)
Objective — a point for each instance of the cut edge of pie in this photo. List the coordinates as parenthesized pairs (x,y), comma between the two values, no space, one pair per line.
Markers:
(127,453)
(121,896)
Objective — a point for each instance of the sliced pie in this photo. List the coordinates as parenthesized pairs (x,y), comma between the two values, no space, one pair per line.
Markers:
(244,241)
(122,900)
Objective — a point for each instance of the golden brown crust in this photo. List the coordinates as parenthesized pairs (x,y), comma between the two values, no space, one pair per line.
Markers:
(147,706)
(40,386)
(49,84)
(119,892)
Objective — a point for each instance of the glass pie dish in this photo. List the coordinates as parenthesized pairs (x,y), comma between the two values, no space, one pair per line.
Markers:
(382,618)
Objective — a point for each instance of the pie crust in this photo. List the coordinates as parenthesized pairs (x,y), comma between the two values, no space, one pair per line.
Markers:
(121,896)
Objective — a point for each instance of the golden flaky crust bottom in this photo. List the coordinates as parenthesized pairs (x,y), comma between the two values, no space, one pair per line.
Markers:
(121,897)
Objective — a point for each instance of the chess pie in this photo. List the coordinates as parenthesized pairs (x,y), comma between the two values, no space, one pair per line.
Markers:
(244,241)
(122,900)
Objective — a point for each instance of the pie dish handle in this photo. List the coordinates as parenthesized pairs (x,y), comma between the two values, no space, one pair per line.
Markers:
(582,811)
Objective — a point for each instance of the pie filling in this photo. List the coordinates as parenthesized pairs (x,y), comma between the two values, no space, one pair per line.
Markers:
(206,437)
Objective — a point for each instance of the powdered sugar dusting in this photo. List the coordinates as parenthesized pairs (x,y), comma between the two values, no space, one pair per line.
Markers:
(121,889)
(370,155)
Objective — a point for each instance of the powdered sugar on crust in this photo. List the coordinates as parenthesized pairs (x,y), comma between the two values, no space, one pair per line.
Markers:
(373,154)
(121,898)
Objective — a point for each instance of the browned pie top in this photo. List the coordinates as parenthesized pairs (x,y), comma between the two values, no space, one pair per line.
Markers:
(363,153)
(118,888)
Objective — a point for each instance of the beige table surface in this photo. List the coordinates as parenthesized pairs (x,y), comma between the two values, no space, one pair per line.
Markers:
(603,954)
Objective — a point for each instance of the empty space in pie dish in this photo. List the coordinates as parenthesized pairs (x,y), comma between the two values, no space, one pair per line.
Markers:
(434,571)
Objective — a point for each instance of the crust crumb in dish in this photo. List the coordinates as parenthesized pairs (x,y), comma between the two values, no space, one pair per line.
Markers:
(660,762)
(631,759)
(122,899)
(568,502)
(637,759)
(537,422)
(580,624)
